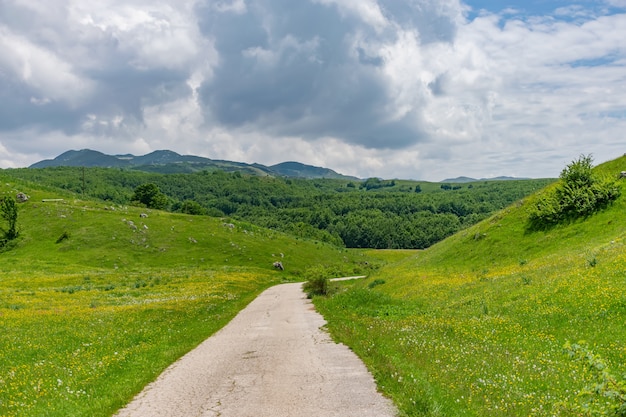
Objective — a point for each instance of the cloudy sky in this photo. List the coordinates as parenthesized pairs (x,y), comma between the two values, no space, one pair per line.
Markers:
(420,89)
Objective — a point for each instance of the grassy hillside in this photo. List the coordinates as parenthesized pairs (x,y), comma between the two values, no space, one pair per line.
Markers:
(96,299)
(384,214)
(482,323)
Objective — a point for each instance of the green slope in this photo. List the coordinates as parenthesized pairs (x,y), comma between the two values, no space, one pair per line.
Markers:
(479,324)
(504,239)
(93,307)
(104,235)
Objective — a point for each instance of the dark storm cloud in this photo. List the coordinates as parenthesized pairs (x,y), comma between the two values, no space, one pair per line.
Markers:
(304,71)
(128,91)
(19,107)
(60,68)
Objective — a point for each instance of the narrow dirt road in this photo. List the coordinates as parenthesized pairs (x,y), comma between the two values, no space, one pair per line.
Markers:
(272,360)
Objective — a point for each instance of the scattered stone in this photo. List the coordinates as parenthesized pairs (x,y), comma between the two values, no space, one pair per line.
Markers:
(143,215)
(21,197)
(279,265)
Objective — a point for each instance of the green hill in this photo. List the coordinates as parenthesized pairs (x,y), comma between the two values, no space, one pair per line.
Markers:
(96,299)
(169,162)
(372,214)
(482,323)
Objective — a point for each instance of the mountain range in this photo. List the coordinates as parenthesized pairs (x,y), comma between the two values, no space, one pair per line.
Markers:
(169,162)
(459,180)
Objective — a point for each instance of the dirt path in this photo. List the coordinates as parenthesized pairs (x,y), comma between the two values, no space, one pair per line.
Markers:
(269,361)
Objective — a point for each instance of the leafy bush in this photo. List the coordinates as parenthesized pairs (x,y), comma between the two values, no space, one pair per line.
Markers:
(316,286)
(150,196)
(606,394)
(318,281)
(580,193)
(192,207)
(8,211)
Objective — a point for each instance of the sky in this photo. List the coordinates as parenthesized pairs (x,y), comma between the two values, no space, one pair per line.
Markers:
(409,89)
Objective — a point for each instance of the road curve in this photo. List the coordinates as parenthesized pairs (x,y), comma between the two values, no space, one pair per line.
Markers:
(271,360)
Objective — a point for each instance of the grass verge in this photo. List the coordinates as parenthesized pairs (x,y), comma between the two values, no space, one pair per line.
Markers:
(489,345)
(85,344)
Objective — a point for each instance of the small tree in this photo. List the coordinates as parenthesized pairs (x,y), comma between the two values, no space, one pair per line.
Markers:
(8,211)
(150,196)
(192,207)
(579,193)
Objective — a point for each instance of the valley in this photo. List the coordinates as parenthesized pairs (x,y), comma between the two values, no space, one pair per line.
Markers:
(99,295)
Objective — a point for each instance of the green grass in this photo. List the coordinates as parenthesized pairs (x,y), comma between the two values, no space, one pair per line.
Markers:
(83,344)
(477,324)
(92,309)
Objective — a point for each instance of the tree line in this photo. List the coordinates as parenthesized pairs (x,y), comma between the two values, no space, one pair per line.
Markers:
(370,214)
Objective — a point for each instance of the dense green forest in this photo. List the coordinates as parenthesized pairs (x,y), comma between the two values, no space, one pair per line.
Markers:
(375,213)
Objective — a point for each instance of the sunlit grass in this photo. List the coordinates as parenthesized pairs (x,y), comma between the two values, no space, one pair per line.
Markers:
(477,325)
(83,344)
(490,344)
(88,320)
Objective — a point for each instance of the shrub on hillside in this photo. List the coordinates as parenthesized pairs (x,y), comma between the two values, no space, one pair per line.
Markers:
(8,211)
(318,282)
(605,395)
(149,195)
(579,193)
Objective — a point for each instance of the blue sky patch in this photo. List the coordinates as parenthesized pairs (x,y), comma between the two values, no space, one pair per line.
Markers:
(537,7)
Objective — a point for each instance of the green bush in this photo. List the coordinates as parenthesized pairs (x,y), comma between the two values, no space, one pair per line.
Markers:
(150,196)
(580,193)
(8,211)
(605,395)
(316,286)
(318,282)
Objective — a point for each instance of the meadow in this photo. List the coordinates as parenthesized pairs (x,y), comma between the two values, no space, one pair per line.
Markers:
(97,299)
(498,320)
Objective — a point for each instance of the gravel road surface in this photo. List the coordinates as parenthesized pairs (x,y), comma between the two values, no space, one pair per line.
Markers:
(272,360)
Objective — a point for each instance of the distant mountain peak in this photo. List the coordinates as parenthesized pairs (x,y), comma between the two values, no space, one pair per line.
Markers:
(459,180)
(166,161)
(300,170)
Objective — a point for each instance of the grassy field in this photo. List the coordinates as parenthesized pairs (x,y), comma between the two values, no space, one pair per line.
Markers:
(482,324)
(96,300)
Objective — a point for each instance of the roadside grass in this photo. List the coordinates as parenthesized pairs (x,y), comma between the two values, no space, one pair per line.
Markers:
(478,324)
(84,344)
(97,300)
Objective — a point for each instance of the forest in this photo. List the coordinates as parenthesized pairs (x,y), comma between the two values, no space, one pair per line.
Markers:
(373,213)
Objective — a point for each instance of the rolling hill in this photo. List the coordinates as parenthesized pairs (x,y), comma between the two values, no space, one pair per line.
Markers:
(96,298)
(500,319)
(168,162)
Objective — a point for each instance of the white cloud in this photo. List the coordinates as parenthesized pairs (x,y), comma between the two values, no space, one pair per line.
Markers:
(43,71)
(394,89)
(369,11)
(233,6)
(152,34)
